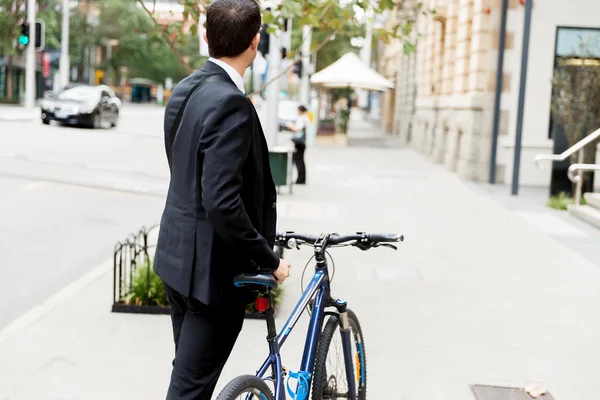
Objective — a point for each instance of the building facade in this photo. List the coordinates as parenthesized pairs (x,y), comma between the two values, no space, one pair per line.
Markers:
(455,84)
(444,97)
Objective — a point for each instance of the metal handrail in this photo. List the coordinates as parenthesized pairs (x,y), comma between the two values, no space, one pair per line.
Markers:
(580,167)
(570,151)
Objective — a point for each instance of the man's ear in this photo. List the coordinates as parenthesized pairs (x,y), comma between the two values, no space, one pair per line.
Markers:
(205,37)
(256,41)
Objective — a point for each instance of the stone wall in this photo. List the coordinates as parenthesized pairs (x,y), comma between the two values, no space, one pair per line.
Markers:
(456,75)
(405,80)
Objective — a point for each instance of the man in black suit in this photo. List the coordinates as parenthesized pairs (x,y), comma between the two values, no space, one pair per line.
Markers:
(220,213)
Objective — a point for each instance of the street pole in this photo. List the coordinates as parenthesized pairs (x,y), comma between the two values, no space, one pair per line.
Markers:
(305,84)
(519,135)
(30,66)
(64,50)
(366,53)
(272,125)
(498,92)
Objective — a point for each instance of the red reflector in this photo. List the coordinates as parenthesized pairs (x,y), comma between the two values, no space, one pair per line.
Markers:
(261,304)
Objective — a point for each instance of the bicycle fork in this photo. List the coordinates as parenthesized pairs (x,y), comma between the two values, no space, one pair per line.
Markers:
(346,333)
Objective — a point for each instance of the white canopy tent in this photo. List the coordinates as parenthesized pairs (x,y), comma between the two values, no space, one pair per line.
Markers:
(350,72)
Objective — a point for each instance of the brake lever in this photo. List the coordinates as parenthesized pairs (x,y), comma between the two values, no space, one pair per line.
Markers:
(362,246)
(391,246)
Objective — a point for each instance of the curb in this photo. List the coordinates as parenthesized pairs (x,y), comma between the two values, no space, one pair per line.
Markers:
(31,316)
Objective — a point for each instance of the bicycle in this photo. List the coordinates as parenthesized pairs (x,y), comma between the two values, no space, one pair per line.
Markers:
(317,297)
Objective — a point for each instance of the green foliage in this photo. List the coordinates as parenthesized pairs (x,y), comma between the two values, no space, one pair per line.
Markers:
(334,46)
(142,48)
(11,14)
(331,19)
(562,201)
(51,19)
(140,292)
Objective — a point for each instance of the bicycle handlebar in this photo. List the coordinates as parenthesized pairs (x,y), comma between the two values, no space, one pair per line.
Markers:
(361,239)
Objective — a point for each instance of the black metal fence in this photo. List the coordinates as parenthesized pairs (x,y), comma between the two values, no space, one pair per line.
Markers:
(132,286)
(136,288)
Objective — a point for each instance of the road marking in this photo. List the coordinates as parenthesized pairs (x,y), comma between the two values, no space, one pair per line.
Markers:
(81,185)
(54,301)
(34,185)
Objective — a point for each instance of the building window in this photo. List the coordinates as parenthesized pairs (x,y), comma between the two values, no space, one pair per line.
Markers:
(573,46)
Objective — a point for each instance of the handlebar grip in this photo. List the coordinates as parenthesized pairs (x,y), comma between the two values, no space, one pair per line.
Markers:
(386,237)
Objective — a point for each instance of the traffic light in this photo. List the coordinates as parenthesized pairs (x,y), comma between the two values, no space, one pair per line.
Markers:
(40,33)
(263,45)
(24,36)
(298,68)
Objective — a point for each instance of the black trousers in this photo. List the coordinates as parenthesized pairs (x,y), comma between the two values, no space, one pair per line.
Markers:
(299,161)
(204,337)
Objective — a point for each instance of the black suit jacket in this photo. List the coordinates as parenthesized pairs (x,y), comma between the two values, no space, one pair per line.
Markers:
(220,213)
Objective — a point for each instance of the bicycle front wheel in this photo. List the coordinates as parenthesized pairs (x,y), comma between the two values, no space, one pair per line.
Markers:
(329,379)
(246,387)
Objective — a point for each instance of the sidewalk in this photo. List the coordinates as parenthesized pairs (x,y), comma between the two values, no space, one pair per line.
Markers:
(18,113)
(363,131)
(475,295)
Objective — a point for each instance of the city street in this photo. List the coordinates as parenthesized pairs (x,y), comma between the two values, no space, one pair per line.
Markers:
(67,195)
(477,294)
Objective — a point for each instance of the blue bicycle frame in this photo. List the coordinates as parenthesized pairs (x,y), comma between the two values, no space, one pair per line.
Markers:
(319,289)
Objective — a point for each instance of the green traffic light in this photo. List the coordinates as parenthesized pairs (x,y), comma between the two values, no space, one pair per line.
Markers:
(24,40)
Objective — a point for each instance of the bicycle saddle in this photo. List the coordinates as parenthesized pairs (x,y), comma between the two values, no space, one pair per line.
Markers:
(255,281)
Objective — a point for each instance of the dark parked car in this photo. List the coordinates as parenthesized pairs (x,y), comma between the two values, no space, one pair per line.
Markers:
(85,105)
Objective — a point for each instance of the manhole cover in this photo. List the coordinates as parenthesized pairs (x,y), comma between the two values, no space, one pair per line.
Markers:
(483,392)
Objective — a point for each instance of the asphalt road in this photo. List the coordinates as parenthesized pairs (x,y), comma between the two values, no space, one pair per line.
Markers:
(67,195)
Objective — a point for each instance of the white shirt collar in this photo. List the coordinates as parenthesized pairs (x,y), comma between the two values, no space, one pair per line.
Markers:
(233,74)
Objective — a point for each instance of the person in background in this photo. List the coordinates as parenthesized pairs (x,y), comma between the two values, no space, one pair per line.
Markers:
(299,139)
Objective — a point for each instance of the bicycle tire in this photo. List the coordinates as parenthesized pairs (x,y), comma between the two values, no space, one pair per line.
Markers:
(246,384)
(320,377)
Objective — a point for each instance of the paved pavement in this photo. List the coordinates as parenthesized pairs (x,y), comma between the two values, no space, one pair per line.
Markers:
(530,204)
(477,294)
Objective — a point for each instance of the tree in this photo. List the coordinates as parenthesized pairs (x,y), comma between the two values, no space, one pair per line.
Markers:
(12,13)
(142,48)
(330,18)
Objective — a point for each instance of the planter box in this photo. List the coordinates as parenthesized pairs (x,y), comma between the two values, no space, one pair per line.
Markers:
(159,310)
(135,309)
(131,257)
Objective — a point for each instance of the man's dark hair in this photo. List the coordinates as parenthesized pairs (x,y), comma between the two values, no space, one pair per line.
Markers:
(230,26)
(302,109)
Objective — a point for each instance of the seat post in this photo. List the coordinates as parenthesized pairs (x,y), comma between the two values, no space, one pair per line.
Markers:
(270,314)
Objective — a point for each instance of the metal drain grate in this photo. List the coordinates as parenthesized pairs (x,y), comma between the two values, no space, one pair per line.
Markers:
(483,392)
